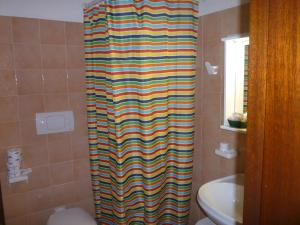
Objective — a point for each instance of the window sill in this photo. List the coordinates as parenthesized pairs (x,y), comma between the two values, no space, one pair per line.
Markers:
(238,130)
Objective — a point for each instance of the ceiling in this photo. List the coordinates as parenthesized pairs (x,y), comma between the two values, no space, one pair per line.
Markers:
(71,10)
(210,6)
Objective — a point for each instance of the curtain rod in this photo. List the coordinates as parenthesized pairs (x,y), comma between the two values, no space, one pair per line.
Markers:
(90,4)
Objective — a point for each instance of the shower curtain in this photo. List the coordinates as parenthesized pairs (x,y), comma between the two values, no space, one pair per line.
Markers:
(140,58)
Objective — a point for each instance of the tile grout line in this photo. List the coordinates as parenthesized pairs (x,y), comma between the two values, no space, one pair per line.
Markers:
(43,97)
(17,86)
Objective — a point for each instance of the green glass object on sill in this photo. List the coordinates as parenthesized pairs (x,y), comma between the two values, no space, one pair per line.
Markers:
(237,124)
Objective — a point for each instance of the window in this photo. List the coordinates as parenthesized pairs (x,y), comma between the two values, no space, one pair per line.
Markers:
(236,76)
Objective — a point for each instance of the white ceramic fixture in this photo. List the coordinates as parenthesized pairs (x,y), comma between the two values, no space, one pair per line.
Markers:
(223,199)
(54,122)
(71,216)
(225,151)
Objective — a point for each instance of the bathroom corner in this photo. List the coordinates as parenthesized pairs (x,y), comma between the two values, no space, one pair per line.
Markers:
(209,104)
(42,70)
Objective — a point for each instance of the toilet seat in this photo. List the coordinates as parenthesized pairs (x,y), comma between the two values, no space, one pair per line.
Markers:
(72,216)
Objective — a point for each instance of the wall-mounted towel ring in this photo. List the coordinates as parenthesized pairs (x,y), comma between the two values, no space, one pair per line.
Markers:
(212,70)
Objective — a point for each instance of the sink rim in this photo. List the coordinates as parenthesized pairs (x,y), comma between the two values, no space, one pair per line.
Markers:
(216,214)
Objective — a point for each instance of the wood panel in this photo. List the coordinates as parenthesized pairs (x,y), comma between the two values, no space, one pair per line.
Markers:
(273,161)
(281,180)
(258,60)
(1,209)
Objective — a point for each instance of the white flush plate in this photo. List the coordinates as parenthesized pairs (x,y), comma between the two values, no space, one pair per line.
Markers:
(54,122)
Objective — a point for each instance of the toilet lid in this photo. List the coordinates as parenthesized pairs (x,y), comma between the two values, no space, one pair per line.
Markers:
(73,216)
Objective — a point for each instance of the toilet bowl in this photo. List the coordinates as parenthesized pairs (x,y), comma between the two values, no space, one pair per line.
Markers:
(72,216)
(77,216)
(205,221)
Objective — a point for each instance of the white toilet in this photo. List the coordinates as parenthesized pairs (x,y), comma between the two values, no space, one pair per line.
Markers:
(77,216)
(72,216)
(205,221)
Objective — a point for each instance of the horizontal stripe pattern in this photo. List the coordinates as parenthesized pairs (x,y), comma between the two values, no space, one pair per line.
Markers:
(140,57)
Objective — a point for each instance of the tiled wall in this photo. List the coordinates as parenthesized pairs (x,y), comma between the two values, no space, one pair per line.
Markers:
(42,70)
(209,102)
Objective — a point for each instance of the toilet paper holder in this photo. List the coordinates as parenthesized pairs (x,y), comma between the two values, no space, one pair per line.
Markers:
(22,177)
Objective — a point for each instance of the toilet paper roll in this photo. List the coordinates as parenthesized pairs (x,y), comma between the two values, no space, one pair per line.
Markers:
(14,158)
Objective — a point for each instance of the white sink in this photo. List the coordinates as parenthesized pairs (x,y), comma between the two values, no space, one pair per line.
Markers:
(223,199)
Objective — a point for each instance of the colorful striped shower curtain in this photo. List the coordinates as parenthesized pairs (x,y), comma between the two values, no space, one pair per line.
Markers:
(140,57)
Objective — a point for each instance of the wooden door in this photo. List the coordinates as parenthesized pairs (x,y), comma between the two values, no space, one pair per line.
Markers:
(272,186)
(1,209)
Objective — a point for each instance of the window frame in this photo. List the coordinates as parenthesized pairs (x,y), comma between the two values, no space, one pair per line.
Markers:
(230,81)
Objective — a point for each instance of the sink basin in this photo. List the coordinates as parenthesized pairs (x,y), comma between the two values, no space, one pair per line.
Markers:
(222,200)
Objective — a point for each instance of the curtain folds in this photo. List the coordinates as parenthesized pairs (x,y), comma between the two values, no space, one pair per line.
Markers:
(140,57)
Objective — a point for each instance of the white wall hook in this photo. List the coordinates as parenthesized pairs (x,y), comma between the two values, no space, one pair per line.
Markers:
(212,70)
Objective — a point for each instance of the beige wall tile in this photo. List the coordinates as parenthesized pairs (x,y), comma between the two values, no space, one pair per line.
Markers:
(6,56)
(11,189)
(83,190)
(9,109)
(8,83)
(211,27)
(59,149)
(75,57)
(40,217)
(82,169)
(56,102)
(5,30)
(80,149)
(77,80)
(78,104)
(235,21)
(29,105)
(15,205)
(9,134)
(29,82)
(53,56)
(212,109)
(62,173)
(64,194)
(55,81)
(74,33)
(18,220)
(213,52)
(25,30)
(81,129)
(3,156)
(52,32)
(39,178)
(35,155)
(28,133)
(27,56)
(40,199)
